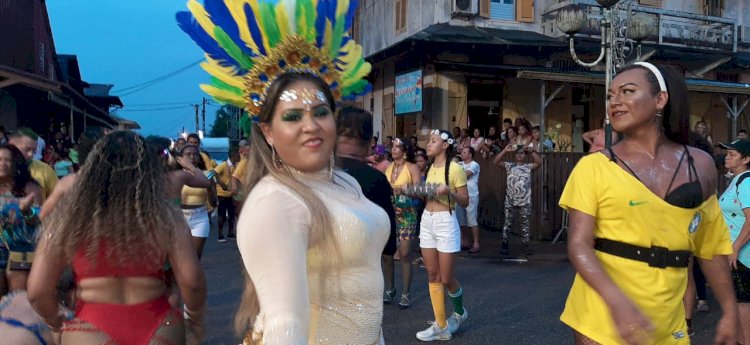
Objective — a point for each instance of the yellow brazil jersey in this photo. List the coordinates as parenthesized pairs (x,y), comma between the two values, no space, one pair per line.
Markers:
(456,178)
(223,175)
(44,175)
(627,211)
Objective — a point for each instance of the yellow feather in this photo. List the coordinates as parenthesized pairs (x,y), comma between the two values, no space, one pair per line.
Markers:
(282,19)
(226,74)
(327,37)
(223,96)
(341,8)
(235,8)
(201,16)
(256,9)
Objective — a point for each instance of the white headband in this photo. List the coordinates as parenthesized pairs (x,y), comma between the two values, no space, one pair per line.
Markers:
(656,72)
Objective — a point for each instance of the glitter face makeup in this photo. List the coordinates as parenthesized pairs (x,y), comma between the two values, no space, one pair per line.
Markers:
(306,95)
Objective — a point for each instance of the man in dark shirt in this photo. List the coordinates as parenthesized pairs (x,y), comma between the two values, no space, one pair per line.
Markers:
(354,128)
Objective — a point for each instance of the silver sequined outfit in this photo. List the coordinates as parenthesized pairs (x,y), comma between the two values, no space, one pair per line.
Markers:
(299,304)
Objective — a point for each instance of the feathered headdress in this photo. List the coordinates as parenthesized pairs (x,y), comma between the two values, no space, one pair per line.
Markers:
(249,43)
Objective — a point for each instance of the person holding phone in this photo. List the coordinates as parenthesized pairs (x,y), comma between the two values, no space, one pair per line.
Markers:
(518,190)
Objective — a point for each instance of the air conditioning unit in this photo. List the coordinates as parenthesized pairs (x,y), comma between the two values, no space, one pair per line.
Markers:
(744,33)
(465,7)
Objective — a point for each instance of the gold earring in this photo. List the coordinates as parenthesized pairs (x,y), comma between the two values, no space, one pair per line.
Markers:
(275,159)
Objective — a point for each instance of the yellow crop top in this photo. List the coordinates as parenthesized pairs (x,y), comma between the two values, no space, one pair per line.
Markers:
(403,178)
(192,196)
(456,178)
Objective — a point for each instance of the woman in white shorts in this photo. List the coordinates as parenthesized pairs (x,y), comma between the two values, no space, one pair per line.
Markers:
(194,202)
(440,235)
(467,216)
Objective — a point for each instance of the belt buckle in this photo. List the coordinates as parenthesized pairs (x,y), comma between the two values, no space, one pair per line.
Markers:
(658,257)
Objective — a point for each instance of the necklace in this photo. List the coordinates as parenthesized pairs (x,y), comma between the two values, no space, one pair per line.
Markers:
(396,171)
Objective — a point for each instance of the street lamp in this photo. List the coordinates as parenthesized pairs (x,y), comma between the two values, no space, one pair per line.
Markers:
(616,30)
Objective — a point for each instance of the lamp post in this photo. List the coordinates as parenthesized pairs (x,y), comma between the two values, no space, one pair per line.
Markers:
(618,30)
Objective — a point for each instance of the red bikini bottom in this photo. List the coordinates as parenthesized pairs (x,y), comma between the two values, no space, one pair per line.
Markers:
(132,324)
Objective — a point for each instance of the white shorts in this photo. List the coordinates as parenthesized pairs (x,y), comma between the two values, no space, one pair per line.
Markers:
(197,219)
(468,216)
(440,230)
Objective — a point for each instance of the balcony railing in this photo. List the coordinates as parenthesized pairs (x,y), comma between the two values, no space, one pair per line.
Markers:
(680,29)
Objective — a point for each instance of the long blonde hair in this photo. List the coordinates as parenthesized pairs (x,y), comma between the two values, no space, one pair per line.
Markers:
(260,164)
(118,199)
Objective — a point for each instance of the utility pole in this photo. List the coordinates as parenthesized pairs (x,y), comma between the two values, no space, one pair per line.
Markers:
(196,118)
(204,117)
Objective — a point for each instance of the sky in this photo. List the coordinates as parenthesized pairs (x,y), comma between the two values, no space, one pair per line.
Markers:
(128,43)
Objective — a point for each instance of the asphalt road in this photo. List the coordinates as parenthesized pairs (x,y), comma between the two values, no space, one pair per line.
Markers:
(509,302)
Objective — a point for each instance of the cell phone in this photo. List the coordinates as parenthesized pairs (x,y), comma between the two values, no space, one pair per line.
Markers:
(519,146)
(211,174)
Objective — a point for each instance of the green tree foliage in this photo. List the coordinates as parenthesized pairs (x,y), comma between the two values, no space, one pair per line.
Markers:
(220,128)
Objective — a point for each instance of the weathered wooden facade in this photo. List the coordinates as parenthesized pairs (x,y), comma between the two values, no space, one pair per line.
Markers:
(490,60)
(35,90)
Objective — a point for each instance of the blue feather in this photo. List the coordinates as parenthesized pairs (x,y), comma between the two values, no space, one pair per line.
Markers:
(254,29)
(222,18)
(320,22)
(187,23)
(353,4)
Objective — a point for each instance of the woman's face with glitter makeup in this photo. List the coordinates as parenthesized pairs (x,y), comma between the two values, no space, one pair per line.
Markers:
(302,129)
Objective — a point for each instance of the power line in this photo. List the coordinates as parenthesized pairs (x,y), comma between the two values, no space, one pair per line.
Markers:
(158,104)
(135,88)
(158,109)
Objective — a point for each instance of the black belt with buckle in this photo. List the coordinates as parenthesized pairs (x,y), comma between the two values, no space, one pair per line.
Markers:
(659,257)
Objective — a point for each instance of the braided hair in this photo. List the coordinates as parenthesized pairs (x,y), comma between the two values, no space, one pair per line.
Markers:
(446,136)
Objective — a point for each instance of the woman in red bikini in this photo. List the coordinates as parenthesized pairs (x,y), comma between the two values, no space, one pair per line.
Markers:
(117,230)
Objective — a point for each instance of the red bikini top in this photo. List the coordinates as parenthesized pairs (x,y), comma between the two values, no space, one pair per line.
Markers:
(104,268)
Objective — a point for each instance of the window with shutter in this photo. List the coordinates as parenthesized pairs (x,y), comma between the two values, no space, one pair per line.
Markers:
(654,3)
(525,11)
(713,7)
(400,8)
(484,8)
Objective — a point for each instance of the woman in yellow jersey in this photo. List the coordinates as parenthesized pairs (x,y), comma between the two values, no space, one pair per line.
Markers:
(440,235)
(193,201)
(401,173)
(637,212)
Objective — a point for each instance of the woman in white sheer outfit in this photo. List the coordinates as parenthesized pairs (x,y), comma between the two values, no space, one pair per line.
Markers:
(311,242)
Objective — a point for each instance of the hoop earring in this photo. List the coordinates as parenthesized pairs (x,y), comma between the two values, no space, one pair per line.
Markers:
(331,166)
(277,163)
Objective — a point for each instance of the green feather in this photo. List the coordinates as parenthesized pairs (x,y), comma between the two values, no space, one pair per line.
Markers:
(355,88)
(270,26)
(353,71)
(337,37)
(232,49)
(306,27)
(226,87)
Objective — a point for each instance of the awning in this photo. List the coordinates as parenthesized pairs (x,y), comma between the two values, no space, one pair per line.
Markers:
(125,123)
(697,85)
(448,33)
(59,93)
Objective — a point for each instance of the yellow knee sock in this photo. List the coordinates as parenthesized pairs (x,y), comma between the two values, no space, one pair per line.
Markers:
(437,296)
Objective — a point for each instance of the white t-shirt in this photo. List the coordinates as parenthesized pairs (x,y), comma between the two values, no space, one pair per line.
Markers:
(472,183)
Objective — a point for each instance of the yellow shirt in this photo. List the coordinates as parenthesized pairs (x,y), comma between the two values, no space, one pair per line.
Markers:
(223,175)
(239,173)
(627,211)
(456,178)
(44,175)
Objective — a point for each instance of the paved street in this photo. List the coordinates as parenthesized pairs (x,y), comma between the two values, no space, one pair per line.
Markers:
(509,302)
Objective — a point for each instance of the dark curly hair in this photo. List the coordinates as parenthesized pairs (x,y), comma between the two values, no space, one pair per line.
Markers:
(20,171)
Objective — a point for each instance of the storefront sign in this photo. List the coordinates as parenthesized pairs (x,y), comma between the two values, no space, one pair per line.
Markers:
(409,92)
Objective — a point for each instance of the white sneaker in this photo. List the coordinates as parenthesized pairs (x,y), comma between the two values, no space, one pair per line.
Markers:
(455,320)
(434,333)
